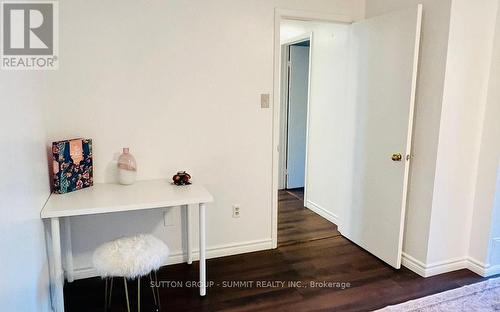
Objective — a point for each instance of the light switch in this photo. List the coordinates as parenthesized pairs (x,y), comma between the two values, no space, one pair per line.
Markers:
(264,100)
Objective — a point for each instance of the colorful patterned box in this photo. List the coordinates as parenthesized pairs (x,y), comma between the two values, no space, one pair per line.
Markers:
(72,165)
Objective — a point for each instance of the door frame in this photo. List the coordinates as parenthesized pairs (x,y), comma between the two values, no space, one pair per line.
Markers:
(284,113)
(279,15)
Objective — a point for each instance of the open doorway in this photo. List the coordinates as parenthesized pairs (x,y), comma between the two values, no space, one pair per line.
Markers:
(359,117)
(313,66)
(297,224)
(295,65)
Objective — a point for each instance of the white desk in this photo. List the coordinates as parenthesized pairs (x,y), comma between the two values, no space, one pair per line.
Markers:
(109,198)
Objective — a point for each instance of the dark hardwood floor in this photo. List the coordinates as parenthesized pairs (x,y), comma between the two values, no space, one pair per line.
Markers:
(296,224)
(310,250)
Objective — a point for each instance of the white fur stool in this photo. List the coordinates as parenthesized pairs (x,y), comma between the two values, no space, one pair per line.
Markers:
(130,258)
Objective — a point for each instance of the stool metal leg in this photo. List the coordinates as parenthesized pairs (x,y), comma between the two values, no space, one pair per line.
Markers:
(126,293)
(110,293)
(105,294)
(157,292)
(108,290)
(139,294)
(153,288)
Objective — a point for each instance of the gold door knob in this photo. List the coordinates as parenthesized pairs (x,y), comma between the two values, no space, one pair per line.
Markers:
(396,157)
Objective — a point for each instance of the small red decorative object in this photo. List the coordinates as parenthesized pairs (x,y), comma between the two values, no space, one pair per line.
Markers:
(182,178)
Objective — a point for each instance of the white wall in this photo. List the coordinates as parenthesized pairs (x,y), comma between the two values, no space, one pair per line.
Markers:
(485,229)
(433,49)
(329,159)
(470,43)
(493,258)
(24,188)
(179,84)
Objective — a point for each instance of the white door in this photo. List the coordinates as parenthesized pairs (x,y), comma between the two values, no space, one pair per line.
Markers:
(384,72)
(297,116)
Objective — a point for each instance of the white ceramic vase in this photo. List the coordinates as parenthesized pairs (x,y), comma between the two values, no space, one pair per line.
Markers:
(127,168)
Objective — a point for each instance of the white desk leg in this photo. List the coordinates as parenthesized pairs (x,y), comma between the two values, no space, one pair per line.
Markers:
(68,250)
(58,281)
(50,256)
(189,234)
(203,272)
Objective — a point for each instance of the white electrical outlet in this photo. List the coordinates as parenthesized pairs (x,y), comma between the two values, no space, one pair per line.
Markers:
(264,100)
(236,211)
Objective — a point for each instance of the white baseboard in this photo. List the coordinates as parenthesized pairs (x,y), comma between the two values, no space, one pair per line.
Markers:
(477,267)
(323,212)
(483,269)
(407,261)
(413,264)
(436,268)
(212,252)
(445,266)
